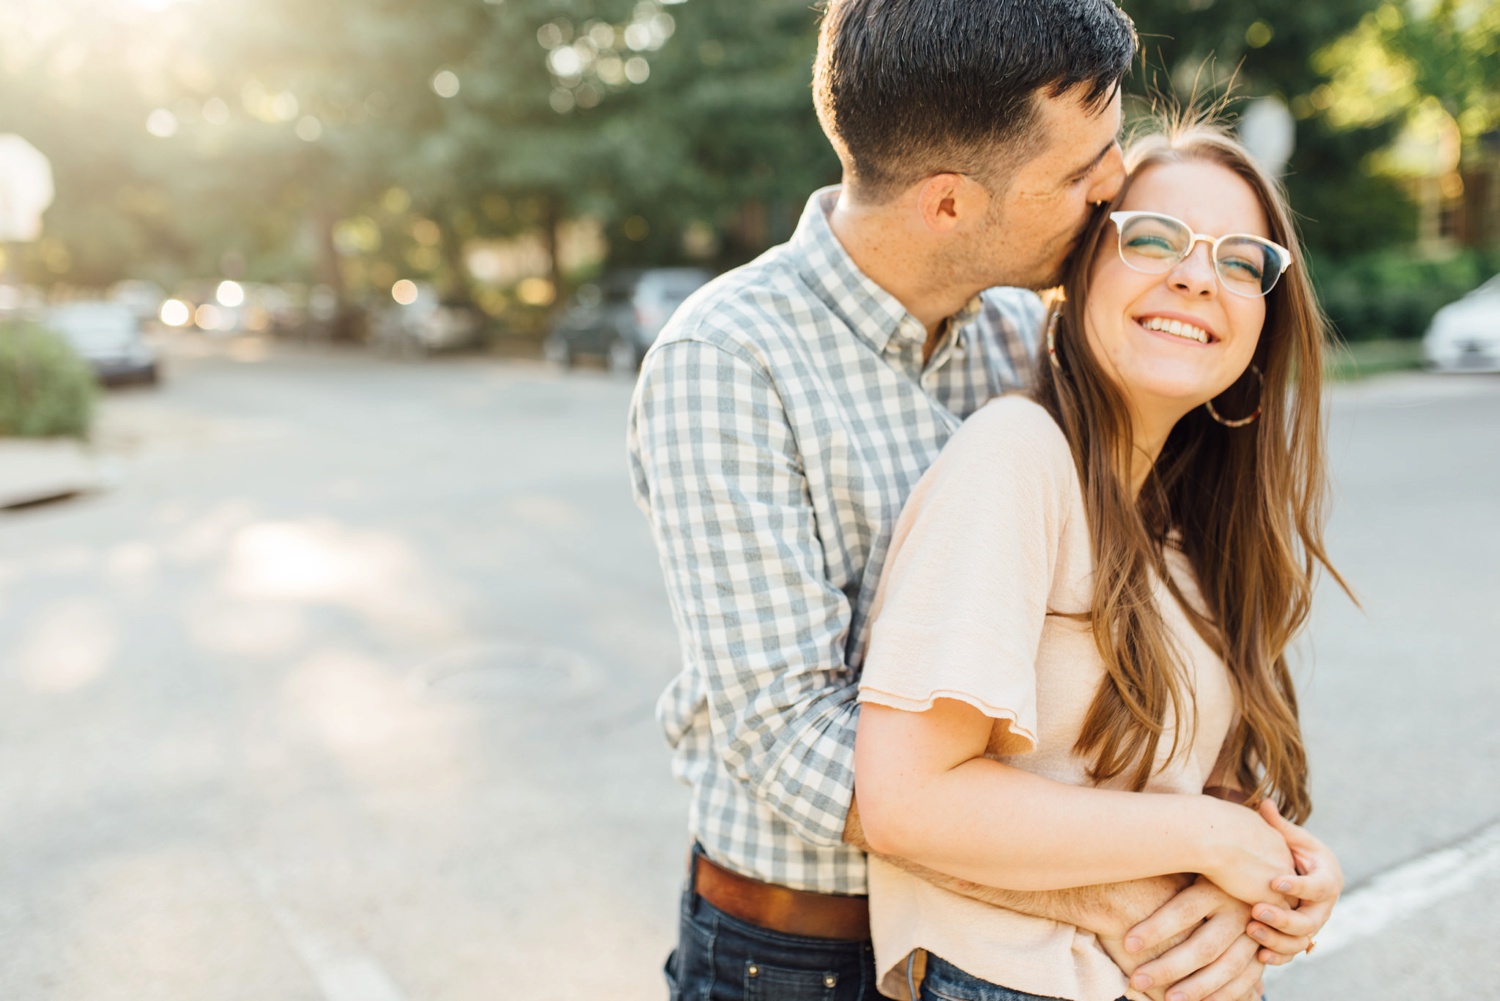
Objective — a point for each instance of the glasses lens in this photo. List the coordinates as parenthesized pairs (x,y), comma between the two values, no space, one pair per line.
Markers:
(1248,266)
(1153,243)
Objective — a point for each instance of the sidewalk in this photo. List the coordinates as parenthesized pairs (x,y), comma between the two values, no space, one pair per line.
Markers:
(41,469)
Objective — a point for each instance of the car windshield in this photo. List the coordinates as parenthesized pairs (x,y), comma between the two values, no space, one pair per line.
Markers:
(90,328)
(673,286)
(619,287)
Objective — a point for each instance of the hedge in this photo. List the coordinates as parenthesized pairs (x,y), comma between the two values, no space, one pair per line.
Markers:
(45,388)
(1392,294)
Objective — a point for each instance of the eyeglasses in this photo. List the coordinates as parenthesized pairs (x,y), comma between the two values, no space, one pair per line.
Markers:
(1153,244)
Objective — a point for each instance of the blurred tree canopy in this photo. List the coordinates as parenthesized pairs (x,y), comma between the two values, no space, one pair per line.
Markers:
(355,142)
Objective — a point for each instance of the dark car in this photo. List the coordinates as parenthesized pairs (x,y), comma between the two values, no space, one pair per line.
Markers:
(107,335)
(619,317)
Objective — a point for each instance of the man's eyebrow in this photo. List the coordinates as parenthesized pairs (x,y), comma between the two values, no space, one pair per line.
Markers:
(1087,168)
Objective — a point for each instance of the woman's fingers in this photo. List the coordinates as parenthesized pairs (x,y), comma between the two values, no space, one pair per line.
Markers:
(1318,876)
(1304,922)
(1275,941)
(1313,886)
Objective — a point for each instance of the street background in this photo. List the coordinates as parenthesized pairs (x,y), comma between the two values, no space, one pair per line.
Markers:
(344,692)
(328,651)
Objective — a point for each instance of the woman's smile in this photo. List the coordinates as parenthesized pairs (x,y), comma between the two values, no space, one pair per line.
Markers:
(1178,327)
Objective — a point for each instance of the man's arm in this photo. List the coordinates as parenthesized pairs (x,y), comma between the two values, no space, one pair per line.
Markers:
(719,473)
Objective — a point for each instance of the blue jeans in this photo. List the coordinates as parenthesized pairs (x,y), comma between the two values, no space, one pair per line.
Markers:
(721,958)
(946,982)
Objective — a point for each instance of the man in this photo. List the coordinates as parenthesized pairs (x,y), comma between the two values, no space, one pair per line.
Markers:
(785,414)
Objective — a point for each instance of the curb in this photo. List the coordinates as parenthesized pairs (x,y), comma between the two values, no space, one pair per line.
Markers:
(33,470)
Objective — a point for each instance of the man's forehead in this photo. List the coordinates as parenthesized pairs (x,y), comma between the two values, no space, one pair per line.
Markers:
(1078,133)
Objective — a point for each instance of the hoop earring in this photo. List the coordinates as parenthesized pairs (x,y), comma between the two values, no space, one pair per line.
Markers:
(1052,337)
(1241,422)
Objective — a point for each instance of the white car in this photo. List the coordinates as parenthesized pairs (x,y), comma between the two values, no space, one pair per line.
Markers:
(1465,335)
(107,335)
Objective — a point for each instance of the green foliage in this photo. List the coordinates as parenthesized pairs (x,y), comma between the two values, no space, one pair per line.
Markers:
(45,388)
(1343,211)
(1446,49)
(310,140)
(1392,294)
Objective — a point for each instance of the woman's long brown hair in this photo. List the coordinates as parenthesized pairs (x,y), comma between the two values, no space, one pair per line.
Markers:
(1244,504)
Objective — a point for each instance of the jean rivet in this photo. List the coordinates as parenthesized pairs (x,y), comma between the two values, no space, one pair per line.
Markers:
(830,980)
(753,970)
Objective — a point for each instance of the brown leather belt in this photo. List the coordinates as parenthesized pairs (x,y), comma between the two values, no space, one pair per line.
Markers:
(779,908)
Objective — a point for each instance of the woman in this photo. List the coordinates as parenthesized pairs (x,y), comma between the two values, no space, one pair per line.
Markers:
(1083,620)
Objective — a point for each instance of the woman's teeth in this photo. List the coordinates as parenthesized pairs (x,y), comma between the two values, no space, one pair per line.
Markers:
(1176,328)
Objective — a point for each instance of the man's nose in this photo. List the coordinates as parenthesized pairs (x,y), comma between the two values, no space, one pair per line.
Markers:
(1109,176)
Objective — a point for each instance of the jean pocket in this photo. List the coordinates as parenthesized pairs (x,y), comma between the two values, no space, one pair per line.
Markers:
(669,970)
(768,982)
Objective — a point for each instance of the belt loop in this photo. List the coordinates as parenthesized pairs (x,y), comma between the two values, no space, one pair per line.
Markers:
(693,855)
(911,980)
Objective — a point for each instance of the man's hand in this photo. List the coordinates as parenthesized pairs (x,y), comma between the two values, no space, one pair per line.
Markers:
(1200,948)
(1106,910)
(1284,932)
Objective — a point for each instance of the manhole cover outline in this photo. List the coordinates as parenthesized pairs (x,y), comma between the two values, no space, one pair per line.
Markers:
(509,670)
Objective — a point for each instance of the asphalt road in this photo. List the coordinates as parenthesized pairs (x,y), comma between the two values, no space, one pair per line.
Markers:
(344,694)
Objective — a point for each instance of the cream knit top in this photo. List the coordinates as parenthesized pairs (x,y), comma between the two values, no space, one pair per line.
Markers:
(992,543)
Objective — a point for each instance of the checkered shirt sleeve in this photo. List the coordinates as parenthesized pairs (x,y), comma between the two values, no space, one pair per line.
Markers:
(719,471)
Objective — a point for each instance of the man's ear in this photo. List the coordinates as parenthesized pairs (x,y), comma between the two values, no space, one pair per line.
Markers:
(947,202)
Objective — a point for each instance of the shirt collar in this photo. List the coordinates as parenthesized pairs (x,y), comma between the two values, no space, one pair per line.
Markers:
(870,311)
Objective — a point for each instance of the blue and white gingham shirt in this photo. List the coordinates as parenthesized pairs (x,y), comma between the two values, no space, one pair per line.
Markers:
(780,422)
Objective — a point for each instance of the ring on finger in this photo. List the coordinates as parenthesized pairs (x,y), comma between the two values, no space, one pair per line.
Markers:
(1311,945)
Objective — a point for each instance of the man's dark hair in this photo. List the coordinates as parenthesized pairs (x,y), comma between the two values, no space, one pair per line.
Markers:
(910,88)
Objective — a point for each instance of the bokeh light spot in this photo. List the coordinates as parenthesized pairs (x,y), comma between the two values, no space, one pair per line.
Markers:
(211,317)
(565,62)
(445,83)
(161,123)
(535,291)
(230,293)
(404,291)
(284,106)
(175,313)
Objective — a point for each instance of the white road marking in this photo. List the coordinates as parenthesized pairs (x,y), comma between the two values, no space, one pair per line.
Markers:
(1409,887)
(342,972)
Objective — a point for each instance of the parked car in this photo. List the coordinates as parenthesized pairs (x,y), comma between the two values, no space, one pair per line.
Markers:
(619,317)
(1465,335)
(107,335)
(143,298)
(426,325)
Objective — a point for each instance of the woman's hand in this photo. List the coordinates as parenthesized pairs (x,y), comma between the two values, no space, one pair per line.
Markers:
(1248,856)
(1283,932)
